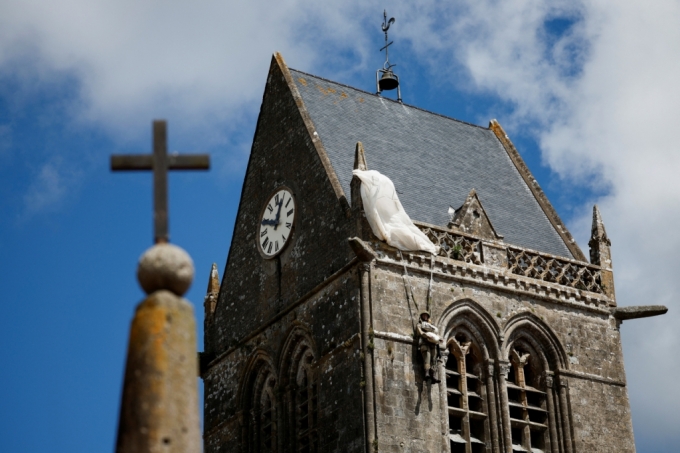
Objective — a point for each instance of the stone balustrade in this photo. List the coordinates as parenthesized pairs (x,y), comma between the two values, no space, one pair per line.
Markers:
(516,260)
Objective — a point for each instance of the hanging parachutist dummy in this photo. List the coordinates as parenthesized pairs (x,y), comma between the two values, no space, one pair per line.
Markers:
(429,343)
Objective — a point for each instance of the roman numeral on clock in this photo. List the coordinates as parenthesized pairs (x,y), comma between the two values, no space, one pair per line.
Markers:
(264,244)
(290,212)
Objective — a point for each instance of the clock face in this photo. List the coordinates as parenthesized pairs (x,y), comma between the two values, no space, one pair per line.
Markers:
(276,223)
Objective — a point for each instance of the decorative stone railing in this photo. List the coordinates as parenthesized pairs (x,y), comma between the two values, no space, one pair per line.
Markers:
(527,263)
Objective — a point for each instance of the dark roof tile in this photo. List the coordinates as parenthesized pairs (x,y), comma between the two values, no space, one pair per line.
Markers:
(434,161)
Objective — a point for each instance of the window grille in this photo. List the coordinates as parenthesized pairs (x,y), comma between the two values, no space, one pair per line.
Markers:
(527,404)
(306,408)
(467,408)
(267,423)
(262,432)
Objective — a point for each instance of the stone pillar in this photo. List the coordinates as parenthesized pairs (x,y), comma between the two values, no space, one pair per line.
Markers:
(369,394)
(491,398)
(564,409)
(504,368)
(443,399)
(550,403)
(159,408)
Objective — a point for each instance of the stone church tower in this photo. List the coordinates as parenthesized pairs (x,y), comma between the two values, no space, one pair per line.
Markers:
(310,339)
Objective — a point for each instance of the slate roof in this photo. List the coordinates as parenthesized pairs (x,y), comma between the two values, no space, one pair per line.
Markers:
(434,161)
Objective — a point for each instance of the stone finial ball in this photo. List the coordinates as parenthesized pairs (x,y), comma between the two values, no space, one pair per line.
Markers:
(165,266)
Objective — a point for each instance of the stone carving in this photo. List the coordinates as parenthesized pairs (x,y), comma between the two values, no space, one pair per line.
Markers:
(429,343)
(471,218)
(494,256)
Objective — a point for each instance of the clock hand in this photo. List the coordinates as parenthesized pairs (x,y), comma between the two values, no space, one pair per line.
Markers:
(271,222)
(278,213)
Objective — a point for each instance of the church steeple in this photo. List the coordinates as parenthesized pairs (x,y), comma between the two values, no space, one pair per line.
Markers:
(600,252)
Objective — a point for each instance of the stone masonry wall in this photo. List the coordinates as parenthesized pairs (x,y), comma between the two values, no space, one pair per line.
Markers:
(255,309)
(255,289)
(408,411)
(331,319)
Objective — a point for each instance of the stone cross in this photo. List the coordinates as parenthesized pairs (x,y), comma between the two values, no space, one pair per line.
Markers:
(160,162)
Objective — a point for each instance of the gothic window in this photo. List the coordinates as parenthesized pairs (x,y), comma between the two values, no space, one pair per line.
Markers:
(466,394)
(262,426)
(267,422)
(528,405)
(306,407)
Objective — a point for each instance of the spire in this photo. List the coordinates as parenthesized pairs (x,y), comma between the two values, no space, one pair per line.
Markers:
(360,158)
(599,242)
(600,252)
(210,301)
(355,184)
(362,228)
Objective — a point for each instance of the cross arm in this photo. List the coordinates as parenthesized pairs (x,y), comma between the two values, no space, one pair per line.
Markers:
(145,162)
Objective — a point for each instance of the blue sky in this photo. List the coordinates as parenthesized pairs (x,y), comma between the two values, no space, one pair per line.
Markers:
(587,91)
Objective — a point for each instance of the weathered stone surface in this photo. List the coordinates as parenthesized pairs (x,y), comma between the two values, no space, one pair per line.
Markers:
(159,408)
(638,311)
(165,266)
(342,312)
(471,218)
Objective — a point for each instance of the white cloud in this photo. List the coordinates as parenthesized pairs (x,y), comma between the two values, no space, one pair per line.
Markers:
(195,60)
(49,187)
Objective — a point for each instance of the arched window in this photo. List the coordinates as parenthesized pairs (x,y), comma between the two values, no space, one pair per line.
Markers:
(466,396)
(537,414)
(262,413)
(267,421)
(299,384)
(527,400)
(306,437)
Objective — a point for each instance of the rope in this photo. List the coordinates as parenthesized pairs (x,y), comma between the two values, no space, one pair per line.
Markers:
(407,286)
(429,287)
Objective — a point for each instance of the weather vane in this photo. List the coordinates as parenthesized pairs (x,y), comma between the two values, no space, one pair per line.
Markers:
(386,26)
(385,78)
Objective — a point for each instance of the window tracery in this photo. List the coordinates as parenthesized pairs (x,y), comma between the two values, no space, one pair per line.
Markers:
(266,422)
(299,377)
(262,426)
(527,401)
(466,397)
(306,410)
(504,391)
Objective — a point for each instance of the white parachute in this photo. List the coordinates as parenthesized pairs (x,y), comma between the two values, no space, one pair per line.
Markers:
(386,215)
